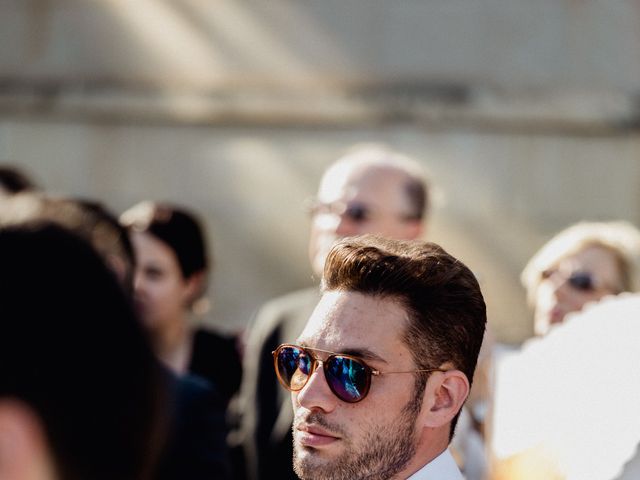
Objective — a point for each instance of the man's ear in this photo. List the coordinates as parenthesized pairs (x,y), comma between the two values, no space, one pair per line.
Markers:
(24,453)
(445,394)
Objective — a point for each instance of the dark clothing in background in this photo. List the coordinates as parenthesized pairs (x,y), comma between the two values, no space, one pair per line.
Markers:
(196,448)
(216,358)
(267,414)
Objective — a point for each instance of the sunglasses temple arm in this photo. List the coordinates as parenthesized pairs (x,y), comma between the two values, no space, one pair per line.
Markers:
(378,372)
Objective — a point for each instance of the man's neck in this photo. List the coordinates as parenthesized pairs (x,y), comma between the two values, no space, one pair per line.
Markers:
(428,449)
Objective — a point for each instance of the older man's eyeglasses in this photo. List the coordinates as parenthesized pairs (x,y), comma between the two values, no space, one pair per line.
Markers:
(348,377)
(354,211)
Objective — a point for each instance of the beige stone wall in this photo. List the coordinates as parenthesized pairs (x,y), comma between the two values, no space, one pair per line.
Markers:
(524,111)
(500,195)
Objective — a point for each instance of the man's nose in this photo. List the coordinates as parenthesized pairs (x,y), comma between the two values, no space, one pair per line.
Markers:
(316,394)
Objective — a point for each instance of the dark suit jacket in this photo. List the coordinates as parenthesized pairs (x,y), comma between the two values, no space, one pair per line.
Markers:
(267,411)
(216,359)
(196,448)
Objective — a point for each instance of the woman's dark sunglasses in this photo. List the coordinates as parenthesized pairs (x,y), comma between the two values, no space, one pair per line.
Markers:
(348,377)
(578,280)
(582,281)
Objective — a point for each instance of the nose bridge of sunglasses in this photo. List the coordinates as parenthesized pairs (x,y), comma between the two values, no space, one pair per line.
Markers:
(318,377)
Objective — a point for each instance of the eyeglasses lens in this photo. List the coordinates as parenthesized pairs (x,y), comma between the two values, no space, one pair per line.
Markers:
(582,281)
(356,212)
(347,377)
(294,366)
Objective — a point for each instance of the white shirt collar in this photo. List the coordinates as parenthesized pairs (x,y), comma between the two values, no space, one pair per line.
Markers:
(443,467)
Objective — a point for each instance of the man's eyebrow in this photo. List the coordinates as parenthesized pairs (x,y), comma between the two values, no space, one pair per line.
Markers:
(363,352)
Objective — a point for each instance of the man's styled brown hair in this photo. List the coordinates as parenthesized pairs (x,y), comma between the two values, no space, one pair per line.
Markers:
(445,307)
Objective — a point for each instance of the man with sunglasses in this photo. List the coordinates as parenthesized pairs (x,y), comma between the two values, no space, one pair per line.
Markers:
(371,189)
(385,363)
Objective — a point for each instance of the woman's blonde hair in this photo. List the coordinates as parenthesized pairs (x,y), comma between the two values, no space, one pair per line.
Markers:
(619,237)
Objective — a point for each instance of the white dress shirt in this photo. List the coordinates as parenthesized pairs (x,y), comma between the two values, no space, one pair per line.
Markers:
(443,467)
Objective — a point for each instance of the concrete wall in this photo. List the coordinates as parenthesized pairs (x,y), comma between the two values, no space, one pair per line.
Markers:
(500,196)
(525,112)
(506,43)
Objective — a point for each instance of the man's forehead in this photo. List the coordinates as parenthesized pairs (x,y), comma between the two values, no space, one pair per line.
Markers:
(348,320)
(358,178)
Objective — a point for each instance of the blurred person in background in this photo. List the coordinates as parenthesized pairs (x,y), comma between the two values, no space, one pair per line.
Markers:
(371,189)
(585,266)
(13,180)
(566,403)
(71,409)
(172,266)
(581,264)
(196,445)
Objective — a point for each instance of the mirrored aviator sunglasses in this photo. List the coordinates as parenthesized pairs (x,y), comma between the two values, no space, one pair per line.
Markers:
(348,377)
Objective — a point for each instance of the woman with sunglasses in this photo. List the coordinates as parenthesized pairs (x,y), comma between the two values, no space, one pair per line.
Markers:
(170,281)
(581,264)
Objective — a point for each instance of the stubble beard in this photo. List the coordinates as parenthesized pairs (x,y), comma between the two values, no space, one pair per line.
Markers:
(382,453)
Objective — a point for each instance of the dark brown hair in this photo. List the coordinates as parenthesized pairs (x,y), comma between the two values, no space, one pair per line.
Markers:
(64,316)
(14,180)
(446,310)
(177,228)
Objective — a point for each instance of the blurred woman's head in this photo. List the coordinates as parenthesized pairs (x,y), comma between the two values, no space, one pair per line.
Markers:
(74,361)
(581,264)
(171,261)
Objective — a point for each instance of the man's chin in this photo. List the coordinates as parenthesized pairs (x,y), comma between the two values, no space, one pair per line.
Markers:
(318,457)
(313,454)
(309,462)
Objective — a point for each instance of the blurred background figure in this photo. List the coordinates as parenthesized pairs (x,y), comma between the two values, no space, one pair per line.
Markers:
(172,266)
(371,189)
(586,264)
(566,404)
(69,407)
(518,120)
(13,180)
(196,445)
(86,218)
(581,264)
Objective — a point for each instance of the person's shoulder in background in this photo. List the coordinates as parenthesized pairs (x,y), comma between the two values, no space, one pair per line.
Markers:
(216,357)
(197,442)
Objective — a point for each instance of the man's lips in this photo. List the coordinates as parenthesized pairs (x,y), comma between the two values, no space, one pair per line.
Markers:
(314,436)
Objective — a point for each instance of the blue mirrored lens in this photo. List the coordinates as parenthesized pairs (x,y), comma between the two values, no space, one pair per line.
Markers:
(294,365)
(347,377)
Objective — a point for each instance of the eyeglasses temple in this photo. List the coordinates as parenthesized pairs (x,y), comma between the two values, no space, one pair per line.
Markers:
(378,372)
